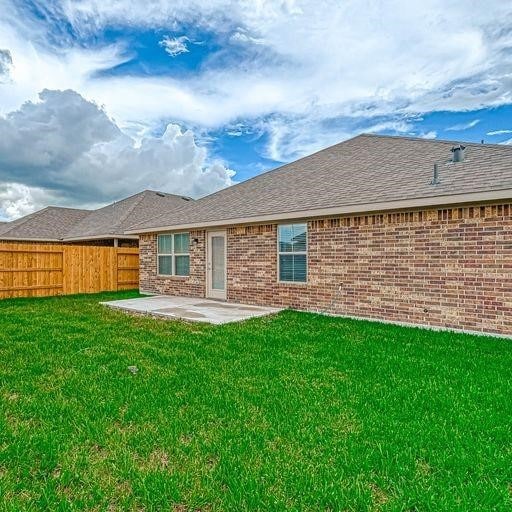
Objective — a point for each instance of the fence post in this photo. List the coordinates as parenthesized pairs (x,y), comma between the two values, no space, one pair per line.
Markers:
(116,267)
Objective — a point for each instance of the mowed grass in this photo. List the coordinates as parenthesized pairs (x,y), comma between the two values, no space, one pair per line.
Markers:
(291,412)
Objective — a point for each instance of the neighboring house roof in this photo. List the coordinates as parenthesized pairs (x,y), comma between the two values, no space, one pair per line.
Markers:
(366,173)
(68,224)
(48,224)
(113,220)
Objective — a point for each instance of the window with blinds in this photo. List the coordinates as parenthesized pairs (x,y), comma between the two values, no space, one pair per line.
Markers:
(173,254)
(292,253)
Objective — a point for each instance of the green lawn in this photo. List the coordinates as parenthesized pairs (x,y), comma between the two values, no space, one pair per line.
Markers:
(292,412)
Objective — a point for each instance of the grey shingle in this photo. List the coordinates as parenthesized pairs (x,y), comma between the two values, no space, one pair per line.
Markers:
(115,218)
(365,169)
(51,223)
(55,223)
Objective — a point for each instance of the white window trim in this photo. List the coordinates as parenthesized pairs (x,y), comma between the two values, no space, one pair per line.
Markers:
(279,253)
(172,254)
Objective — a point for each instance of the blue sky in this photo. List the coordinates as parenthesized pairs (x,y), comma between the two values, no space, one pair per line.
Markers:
(189,97)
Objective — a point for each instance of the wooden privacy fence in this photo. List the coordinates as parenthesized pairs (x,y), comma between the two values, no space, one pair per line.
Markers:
(37,270)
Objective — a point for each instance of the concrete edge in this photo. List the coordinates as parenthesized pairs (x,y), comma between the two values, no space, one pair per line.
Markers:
(435,328)
(166,316)
(156,316)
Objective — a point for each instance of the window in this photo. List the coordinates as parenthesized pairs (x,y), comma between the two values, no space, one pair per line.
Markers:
(292,252)
(173,255)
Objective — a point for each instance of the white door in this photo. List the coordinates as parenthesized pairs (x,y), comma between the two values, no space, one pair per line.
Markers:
(216,265)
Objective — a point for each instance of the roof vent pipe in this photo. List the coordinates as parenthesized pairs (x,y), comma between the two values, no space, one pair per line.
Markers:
(435,179)
(458,153)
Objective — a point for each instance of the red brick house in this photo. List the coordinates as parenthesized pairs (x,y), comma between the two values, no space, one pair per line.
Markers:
(390,228)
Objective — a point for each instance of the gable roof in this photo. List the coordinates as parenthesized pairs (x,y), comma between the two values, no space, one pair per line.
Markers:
(48,224)
(111,221)
(55,224)
(366,173)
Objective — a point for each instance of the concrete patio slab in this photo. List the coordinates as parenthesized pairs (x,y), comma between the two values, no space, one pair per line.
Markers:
(193,310)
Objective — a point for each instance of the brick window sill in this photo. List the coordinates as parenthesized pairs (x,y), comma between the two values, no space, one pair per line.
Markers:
(173,278)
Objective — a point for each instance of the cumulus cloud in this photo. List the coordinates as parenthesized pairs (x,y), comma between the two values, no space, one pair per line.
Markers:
(297,65)
(175,46)
(316,57)
(17,200)
(71,150)
(45,137)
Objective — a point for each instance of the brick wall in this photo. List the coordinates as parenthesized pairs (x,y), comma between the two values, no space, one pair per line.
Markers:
(447,267)
(192,286)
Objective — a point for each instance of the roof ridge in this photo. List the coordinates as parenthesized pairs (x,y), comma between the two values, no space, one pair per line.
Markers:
(51,207)
(423,139)
(166,194)
(113,218)
(130,210)
(110,205)
(142,192)
(25,219)
(187,202)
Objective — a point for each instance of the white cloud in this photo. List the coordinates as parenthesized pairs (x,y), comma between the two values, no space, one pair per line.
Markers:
(499,132)
(324,54)
(242,37)
(292,138)
(317,58)
(432,134)
(289,139)
(174,46)
(307,62)
(400,126)
(462,126)
(5,65)
(17,200)
(70,149)
(36,67)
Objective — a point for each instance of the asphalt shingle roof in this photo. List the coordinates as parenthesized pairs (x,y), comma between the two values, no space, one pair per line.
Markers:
(55,223)
(363,170)
(115,218)
(51,223)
